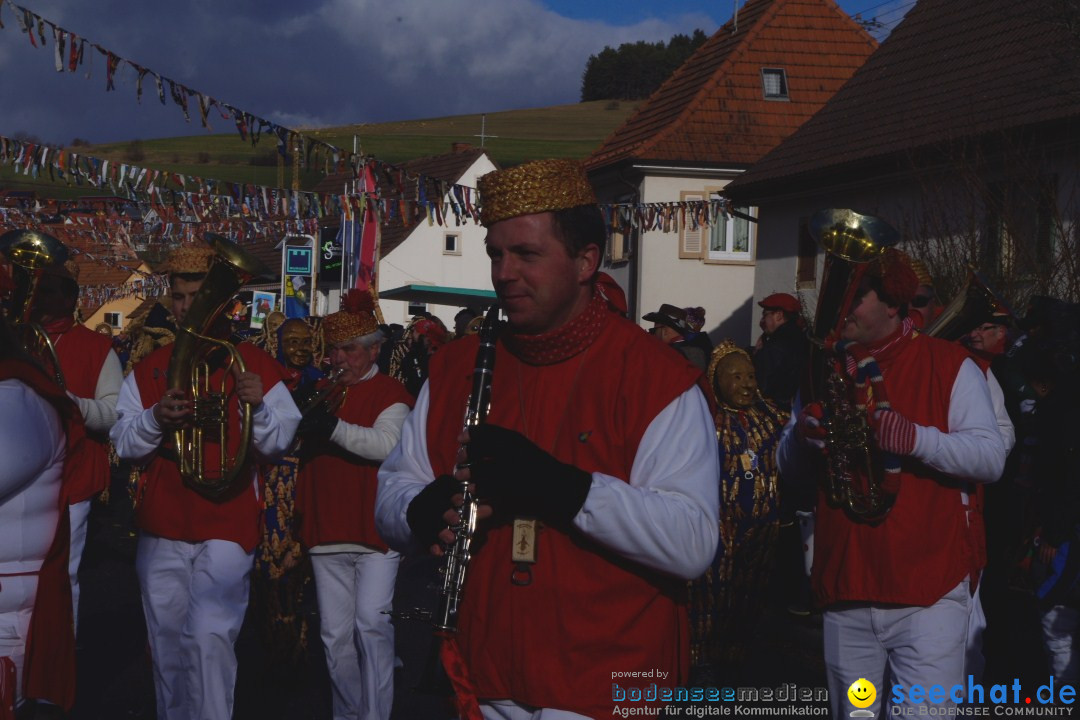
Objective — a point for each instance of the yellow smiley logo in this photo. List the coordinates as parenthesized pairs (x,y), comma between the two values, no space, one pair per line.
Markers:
(862,693)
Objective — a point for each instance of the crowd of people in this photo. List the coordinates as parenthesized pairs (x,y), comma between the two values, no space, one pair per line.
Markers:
(624,506)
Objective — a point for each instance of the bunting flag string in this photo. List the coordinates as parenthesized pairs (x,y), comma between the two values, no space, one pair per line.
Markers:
(399,197)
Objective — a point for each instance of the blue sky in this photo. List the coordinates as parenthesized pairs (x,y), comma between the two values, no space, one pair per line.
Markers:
(329,62)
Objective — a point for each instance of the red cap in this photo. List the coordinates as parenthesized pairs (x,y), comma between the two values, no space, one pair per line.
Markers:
(781,301)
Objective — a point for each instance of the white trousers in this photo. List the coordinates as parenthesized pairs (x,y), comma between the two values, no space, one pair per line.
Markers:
(355,590)
(976,661)
(896,646)
(78,516)
(194,597)
(1059,625)
(510,710)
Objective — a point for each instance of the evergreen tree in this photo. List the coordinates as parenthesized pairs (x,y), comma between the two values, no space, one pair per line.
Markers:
(635,70)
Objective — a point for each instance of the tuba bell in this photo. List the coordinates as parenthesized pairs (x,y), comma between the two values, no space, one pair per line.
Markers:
(854,465)
(29,253)
(210,458)
(975,300)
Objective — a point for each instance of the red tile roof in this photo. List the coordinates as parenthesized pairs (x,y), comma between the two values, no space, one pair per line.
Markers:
(712,109)
(951,69)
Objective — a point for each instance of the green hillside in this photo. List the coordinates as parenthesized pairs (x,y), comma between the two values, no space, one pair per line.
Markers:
(513,136)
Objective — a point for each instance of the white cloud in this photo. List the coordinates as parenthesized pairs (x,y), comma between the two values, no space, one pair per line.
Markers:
(315,63)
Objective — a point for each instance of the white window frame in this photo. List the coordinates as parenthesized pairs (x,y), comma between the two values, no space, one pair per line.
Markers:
(691,239)
(720,234)
(785,94)
(457,243)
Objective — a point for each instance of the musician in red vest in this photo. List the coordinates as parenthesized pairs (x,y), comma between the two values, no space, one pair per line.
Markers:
(41,441)
(335,499)
(195,555)
(597,470)
(92,377)
(897,591)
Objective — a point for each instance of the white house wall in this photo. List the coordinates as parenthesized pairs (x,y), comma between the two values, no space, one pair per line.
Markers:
(725,291)
(420,260)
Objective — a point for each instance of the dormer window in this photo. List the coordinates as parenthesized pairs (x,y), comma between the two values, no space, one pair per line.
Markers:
(774,83)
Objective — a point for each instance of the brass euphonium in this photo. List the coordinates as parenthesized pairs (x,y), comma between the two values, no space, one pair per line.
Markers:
(191,367)
(29,253)
(976,300)
(854,466)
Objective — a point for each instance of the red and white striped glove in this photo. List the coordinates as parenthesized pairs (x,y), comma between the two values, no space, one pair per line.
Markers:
(808,426)
(894,432)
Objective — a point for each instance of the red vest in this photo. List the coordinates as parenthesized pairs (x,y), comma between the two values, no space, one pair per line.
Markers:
(169,508)
(82,354)
(555,642)
(930,540)
(335,498)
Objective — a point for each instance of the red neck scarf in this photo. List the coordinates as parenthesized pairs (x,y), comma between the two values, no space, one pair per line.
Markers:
(58,327)
(564,342)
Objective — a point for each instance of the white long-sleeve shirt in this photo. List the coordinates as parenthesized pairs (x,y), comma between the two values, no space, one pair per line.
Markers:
(99,412)
(375,442)
(665,518)
(136,434)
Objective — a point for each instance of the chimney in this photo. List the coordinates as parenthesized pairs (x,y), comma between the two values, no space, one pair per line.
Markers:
(460,147)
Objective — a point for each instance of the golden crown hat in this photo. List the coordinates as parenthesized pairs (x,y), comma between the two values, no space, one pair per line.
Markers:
(356,318)
(533,187)
(922,272)
(190,259)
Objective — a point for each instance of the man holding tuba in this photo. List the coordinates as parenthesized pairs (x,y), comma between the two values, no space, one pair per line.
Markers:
(896,585)
(596,471)
(195,554)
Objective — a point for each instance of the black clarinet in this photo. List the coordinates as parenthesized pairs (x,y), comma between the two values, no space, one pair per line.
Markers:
(459,552)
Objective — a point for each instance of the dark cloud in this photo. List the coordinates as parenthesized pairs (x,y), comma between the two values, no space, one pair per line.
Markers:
(317,63)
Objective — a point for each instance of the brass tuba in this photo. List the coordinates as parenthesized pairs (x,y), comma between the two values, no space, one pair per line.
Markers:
(854,467)
(191,367)
(29,253)
(975,300)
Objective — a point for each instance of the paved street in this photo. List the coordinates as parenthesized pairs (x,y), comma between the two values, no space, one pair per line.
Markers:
(115,681)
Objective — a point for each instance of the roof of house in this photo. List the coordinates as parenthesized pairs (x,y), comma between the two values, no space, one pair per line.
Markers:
(951,69)
(713,110)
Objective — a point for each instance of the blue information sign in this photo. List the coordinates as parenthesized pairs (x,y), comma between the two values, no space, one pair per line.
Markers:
(298,260)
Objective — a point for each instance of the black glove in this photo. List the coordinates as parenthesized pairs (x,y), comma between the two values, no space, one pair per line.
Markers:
(319,423)
(425,512)
(303,394)
(518,478)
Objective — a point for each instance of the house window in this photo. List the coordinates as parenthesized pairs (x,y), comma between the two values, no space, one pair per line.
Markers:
(451,244)
(114,320)
(417,308)
(774,82)
(806,265)
(731,237)
(691,233)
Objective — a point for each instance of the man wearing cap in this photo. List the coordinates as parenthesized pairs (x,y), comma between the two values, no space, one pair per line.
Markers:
(781,356)
(354,569)
(897,589)
(671,325)
(92,377)
(195,555)
(591,518)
